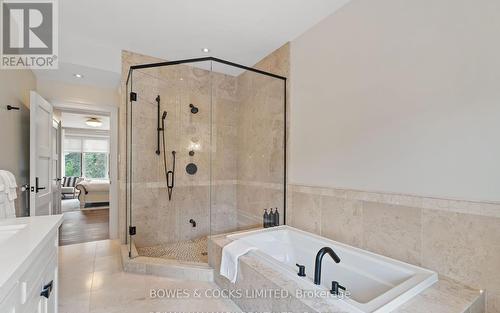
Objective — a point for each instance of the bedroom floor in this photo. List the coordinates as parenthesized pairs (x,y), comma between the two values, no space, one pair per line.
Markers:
(84,226)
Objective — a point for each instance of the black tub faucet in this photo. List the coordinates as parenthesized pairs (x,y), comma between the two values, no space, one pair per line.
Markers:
(319,258)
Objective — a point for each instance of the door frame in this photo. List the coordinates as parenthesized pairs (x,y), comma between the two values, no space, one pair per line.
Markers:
(57,131)
(37,102)
(112,112)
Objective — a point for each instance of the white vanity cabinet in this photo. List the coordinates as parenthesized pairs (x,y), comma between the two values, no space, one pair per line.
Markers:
(32,285)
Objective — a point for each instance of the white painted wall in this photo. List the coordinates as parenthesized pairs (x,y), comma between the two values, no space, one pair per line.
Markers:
(15,87)
(60,92)
(400,96)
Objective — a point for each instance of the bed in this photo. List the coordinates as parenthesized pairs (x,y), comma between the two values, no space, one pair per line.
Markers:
(93,193)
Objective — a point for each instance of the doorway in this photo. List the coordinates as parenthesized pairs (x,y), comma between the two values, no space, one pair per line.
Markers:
(87,170)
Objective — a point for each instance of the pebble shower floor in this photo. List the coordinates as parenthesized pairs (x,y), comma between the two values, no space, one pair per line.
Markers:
(190,251)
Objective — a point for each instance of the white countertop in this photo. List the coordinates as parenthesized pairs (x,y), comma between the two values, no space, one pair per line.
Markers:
(17,250)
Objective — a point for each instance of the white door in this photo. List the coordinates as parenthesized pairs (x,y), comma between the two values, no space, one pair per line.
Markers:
(40,155)
(56,167)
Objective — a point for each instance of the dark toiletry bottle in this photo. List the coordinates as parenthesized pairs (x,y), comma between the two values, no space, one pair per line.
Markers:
(276,218)
(265,219)
(272,217)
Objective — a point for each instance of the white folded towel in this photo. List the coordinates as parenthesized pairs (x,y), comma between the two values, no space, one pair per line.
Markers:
(12,185)
(230,255)
(3,204)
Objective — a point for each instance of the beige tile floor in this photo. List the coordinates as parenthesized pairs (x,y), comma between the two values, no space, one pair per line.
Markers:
(91,280)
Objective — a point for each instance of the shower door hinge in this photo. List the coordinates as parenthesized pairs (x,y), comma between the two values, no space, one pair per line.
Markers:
(133,96)
(132,230)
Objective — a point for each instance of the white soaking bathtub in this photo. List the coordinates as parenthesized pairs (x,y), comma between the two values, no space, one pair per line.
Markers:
(375,283)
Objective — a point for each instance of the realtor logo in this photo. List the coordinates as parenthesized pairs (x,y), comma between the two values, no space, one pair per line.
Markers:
(29,34)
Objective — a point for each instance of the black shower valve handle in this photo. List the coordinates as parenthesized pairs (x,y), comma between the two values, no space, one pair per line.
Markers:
(193,108)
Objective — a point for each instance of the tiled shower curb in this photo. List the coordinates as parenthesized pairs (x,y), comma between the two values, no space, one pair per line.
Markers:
(164,267)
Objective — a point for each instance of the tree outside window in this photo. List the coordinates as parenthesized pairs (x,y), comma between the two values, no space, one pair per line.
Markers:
(73,164)
(95,165)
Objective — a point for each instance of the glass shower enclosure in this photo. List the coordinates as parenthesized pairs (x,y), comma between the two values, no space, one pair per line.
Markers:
(205,154)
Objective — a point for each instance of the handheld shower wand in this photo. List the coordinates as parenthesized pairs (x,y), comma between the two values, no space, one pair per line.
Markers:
(163,117)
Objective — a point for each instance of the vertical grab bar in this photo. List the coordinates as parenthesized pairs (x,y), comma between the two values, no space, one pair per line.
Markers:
(158,128)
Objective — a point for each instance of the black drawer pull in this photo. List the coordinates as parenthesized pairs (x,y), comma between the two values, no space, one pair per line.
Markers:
(49,285)
(47,290)
(45,293)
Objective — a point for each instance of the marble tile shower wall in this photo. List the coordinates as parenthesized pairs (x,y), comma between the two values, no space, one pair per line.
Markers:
(458,239)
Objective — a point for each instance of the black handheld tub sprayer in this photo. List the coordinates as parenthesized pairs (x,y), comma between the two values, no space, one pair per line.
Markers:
(169,175)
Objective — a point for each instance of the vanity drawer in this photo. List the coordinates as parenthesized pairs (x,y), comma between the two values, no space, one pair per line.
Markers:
(35,302)
(10,303)
(32,256)
(31,280)
(25,297)
(34,305)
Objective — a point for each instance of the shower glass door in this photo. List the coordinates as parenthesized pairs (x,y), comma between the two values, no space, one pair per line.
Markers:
(169,162)
(248,124)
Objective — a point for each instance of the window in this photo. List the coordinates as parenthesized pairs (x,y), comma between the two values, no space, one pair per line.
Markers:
(73,164)
(86,156)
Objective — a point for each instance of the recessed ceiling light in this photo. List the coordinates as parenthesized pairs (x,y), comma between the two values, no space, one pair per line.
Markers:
(78,75)
(94,122)
(205,50)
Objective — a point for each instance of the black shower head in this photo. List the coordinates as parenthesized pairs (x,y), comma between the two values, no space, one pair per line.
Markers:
(164,116)
(194,109)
